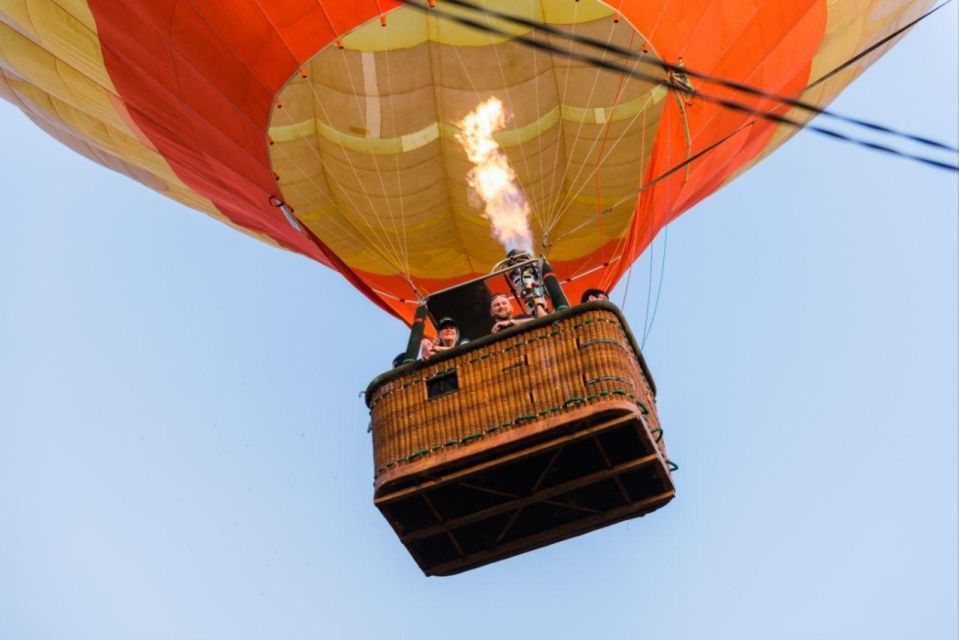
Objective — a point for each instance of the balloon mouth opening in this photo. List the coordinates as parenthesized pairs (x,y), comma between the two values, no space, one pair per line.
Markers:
(362,141)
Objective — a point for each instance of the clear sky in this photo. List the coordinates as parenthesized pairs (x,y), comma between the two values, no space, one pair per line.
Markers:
(183,452)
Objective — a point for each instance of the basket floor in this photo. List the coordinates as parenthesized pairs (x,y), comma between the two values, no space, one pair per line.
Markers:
(533,494)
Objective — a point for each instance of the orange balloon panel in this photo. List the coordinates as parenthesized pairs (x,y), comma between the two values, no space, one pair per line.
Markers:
(344,109)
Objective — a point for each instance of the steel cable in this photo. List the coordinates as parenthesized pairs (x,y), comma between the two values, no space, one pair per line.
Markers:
(722,102)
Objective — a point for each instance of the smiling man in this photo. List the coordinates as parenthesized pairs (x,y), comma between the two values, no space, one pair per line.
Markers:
(501,310)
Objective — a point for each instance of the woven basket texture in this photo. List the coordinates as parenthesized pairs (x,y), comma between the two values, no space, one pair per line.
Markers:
(583,360)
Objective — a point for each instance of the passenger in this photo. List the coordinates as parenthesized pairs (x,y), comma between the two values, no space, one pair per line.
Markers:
(593,294)
(447,337)
(501,310)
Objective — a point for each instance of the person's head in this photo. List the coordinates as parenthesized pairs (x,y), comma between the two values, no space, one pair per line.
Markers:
(447,333)
(593,294)
(500,308)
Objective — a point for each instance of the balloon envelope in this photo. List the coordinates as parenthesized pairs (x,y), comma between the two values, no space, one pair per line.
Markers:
(343,109)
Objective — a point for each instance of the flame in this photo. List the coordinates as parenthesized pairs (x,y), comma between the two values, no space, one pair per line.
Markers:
(493,178)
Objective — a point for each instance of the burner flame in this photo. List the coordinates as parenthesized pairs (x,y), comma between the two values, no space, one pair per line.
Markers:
(492,177)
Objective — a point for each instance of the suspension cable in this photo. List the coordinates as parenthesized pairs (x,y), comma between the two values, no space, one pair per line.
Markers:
(659,288)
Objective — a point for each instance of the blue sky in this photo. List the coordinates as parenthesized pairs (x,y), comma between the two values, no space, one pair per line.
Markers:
(183,452)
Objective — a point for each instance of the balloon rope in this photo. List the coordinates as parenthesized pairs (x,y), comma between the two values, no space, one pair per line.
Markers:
(403,235)
(354,232)
(567,201)
(649,288)
(550,215)
(585,269)
(509,99)
(653,182)
(370,92)
(629,276)
(473,88)
(561,204)
(659,288)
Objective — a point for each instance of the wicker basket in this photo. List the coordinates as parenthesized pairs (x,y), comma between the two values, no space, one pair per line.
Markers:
(518,440)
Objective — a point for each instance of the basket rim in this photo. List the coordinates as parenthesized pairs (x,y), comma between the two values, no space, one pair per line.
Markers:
(535,323)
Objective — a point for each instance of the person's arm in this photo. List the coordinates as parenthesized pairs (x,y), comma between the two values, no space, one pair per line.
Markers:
(506,324)
(502,324)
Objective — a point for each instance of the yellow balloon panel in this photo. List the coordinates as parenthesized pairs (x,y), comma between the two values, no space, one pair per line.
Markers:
(51,66)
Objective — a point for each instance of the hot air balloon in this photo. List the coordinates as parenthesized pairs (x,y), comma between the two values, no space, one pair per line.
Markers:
(329,128)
